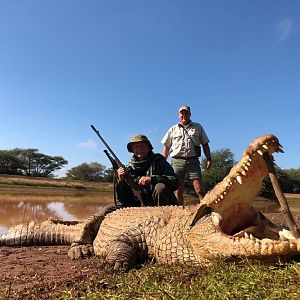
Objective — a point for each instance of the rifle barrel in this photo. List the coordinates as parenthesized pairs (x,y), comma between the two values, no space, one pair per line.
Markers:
(108,148)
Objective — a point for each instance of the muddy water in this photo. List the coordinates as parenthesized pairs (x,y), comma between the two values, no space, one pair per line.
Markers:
(16,208)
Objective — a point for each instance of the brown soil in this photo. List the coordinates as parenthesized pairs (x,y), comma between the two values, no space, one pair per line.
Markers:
(44,272)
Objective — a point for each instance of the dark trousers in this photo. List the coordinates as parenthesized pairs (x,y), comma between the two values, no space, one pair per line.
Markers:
(159,196)
(163,196)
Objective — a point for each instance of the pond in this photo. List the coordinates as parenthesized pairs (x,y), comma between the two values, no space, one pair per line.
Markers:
(17,207)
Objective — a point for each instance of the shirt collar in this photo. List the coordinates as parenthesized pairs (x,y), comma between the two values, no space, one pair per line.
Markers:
(191,123)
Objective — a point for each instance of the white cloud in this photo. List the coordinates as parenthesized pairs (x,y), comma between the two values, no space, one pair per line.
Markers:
(284,29)
(89,144)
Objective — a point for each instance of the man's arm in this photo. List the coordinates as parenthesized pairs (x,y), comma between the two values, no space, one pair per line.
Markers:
(164,173)
(166,152)
(206,151)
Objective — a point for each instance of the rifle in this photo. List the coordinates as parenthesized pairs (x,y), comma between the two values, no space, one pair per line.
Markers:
(117,163)
(113,162)
(115,168)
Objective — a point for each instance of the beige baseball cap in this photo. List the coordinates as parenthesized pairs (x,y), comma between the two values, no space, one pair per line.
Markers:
(184,107)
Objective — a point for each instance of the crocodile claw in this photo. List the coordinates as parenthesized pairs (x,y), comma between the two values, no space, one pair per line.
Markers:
(121,266)
(80,251)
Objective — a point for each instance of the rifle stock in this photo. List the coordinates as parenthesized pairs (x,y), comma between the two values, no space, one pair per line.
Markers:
(128,178)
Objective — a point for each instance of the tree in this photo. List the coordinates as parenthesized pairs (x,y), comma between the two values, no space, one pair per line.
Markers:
(29,162)
(294,179)
(294,174)
(10,164)
(27,156)
(39,164)
(223,161)
(87,171)
(44,165)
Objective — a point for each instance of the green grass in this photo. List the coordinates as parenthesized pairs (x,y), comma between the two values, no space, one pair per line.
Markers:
(223,280)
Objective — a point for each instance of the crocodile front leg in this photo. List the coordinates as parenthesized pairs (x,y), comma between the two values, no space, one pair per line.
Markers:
(125,249)
(83,247)
(121,253)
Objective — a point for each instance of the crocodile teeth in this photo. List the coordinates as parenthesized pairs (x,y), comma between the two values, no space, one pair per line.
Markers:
(260,152)
(246,168)
(252,237)
(221,196)
(216,218)
(265,146)
(282,237)
(229,182)
(239,179)
(246,235)
(286,234)
(248,164)
(244,172)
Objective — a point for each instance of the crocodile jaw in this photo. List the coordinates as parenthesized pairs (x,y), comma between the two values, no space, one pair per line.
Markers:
(209,242)
(234,227)
(233,198)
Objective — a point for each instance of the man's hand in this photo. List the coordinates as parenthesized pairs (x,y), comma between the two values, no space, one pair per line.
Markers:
(121,173)
(145,180)
(208,164)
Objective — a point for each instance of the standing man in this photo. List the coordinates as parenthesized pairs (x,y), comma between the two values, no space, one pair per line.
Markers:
(185,139)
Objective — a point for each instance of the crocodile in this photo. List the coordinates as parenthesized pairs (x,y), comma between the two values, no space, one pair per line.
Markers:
(225,225)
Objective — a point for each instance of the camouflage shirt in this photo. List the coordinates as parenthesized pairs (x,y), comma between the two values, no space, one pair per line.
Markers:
(154,166)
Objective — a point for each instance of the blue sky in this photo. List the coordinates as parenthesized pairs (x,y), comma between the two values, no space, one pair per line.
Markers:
(127,65)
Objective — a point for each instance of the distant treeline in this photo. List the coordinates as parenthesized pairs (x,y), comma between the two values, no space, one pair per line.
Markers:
(30,162)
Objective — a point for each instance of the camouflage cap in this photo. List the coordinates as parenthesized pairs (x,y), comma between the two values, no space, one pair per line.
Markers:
(138,138)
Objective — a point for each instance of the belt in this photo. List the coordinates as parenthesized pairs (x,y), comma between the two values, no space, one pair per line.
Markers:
(185,158)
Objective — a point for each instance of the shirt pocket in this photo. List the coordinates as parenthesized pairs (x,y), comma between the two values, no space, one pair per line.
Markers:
(176,138)
(194,135)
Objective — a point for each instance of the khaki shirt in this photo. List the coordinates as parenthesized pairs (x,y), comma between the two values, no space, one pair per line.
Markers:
(180,139)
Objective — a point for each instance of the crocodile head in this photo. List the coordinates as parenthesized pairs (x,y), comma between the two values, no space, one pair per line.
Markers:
(228,225)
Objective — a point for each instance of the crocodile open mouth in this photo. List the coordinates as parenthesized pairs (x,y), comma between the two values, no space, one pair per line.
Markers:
(254,226)
(231,201)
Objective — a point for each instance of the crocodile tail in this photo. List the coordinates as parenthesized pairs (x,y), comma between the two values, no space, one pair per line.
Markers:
(49,232)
